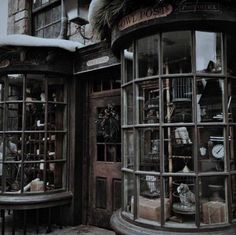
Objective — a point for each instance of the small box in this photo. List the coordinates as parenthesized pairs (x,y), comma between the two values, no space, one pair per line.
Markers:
(214,212)
(150,209)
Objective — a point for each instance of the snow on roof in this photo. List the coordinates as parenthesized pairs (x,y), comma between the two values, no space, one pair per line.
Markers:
(30,41)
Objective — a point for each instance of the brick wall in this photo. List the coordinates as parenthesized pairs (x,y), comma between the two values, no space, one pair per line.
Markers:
(19,12)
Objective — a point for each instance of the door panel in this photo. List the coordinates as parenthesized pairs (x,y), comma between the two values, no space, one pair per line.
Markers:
(105,158)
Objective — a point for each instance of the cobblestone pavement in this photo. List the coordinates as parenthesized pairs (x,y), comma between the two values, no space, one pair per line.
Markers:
(81,230)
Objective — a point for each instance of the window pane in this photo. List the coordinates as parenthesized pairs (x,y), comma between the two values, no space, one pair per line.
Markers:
(129,149)
(211,148)
(231,106)
(12,172)
(210,109)
(54,175)
(231,48)
(13,147)
(15,87)
(149,198)
(34,146)
(14,116)
(178,149)
(233,195)
(208,52)
(56,146)
(176,52)
(147,53)
(2,88)
(129,193)
(149,147)
(180,201)
(34,116)
(177,98)
(148,102)
(213,204)
(35,88)
(128,105)
(232,147)
(1,116)
(128,64)
(56,116)
(56,90)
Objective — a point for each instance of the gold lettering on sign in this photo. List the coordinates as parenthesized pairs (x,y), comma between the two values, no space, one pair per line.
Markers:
(142,15)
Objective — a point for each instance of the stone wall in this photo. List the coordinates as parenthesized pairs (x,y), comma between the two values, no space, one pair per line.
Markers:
(19,13)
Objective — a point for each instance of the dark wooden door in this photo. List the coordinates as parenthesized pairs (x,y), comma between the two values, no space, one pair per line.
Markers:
(105,157)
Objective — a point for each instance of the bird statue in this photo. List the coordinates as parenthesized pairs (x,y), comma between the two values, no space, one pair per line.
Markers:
(187,198)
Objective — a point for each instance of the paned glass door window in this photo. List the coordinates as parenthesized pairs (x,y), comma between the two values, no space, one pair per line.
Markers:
(33,133)
(178,129)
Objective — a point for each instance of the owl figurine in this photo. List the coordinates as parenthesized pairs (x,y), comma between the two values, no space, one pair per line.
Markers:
(187,198)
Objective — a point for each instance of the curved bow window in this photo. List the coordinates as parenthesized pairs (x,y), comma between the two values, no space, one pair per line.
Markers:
(33,133)
(178,129)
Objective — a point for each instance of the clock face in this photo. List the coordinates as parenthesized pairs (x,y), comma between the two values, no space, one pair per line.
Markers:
(218,151)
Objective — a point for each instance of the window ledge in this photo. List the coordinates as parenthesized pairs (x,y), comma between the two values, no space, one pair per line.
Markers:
(28,202)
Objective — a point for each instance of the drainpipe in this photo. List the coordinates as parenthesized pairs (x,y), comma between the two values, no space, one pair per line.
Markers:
(64,22)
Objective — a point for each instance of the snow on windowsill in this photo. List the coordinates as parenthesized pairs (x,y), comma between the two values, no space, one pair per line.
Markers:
(30,41)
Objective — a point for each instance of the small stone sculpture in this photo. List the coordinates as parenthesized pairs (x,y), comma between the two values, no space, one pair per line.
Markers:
(187,198)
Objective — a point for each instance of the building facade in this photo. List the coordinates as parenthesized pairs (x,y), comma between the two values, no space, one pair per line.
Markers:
(139,125)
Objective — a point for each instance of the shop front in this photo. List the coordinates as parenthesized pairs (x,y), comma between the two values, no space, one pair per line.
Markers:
(35,148)
(178,118)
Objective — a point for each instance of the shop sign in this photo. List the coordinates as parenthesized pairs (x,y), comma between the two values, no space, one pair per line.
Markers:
(142,15)
(203,6)
(97,61)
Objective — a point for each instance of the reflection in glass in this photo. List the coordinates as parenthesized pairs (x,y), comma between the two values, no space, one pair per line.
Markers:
(56,116)
(149,147)
(211,149)
(2,88)
(1,116)
(231,48)
(149,198)
(212,197)
(210,109)
(54,175)
(232,147)
(129,149)
(180,201)
(12,173)
(12,147)
(34,146)
(128,64)
(178,149)
(208,52)
(34,116)
(14,116)
(176,52)
(56,148)
(15,87)
(35,88)
(148,99)
(177,97)
(231,106)
(128,105)
(129,193)
(56,90)
(147,53)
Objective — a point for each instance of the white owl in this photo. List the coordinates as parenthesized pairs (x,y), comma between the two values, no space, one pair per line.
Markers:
(187,198)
